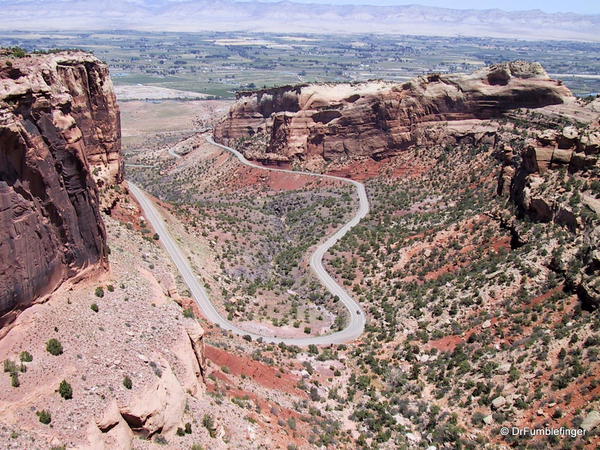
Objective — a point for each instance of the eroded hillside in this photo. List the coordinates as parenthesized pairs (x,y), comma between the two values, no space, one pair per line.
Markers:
(478,264)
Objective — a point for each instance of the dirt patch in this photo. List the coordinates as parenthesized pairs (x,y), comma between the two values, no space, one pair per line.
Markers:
(263,374)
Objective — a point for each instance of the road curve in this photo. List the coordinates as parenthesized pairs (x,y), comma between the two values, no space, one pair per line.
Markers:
(356,323)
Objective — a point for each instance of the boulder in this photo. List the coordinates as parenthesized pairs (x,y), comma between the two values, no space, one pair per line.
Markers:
(110,431)
(591,421)
(588,291)
(592,203)
(189,351)
(413,437)
(562,157)
(566,218)
(196,336)
(504,368)
(590,142)
(540,209)
(498,402)
(159,407)
(568,138)
(547,137)
(537,159)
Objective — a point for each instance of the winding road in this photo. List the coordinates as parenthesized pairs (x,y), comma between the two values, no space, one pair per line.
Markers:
(356,322)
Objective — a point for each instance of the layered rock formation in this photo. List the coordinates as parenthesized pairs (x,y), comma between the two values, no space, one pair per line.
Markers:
(524,175)
(59,140)
(328,122)
(545,183)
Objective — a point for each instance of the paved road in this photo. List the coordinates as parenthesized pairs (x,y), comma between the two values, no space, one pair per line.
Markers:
(147,166)
(356,323)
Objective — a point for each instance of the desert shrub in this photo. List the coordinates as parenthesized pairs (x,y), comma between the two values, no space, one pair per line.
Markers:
(127,382)
(157,370)
(161,440)
(65,390)
(44,416)
(17,52)
(292,423)
(94,307)
(209,423)
(99,292)
(9,366)
(26,356)
(54,347)
(314,394)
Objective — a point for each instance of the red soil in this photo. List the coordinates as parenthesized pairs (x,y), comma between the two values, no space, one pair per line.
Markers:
(265,375)
(367,169)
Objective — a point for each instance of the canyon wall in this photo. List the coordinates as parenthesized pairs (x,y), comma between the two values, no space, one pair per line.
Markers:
(331,122)
(554,178)
(59,140)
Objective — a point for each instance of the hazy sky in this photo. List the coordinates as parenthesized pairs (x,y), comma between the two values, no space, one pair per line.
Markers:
(578,6)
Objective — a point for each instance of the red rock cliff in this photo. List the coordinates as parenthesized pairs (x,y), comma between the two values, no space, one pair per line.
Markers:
(328,122)
(59,137)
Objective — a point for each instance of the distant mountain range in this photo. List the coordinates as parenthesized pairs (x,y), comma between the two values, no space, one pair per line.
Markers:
(290,17)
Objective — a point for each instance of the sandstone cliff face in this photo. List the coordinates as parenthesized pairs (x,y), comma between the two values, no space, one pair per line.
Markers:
(59,137)
(378,119)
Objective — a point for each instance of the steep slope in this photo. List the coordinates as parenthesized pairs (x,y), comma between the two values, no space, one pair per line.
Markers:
(555,179)
(325,122)
(59,140)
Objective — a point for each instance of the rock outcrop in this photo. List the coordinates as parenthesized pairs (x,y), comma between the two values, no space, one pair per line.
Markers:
(111,431)
(554,178)
(159,409)
(59,141)
(328,122)
(530,178)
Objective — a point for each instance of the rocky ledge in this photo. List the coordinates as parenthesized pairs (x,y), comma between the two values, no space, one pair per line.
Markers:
(333,122)
(59,140)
